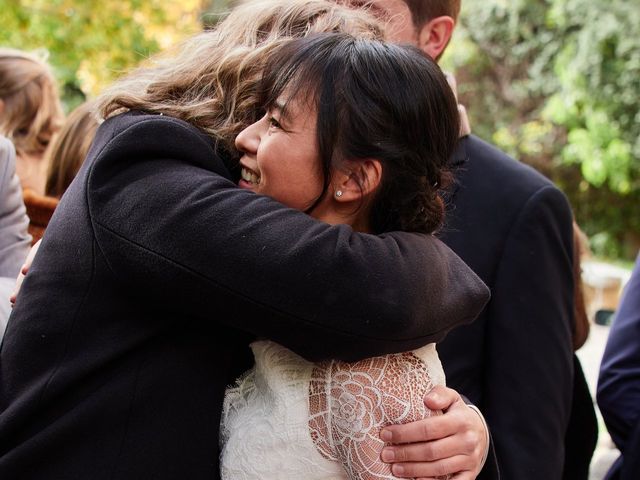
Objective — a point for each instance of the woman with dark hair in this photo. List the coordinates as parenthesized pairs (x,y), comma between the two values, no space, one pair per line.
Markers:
(356,132)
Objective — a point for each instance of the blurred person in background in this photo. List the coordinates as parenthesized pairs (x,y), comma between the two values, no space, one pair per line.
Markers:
(64,157)
(69,149)
(619,382)
(582,431)
(30,113)
(14,239)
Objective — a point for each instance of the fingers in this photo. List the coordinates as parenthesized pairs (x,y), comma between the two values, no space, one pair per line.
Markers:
(23,271)
(441,398)
(464,444)
(424,430)
(432,428)
(452,443)
(16,289)
(457,466)
(455,476)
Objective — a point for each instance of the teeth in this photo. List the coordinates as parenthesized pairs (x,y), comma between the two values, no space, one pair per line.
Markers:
(250,176)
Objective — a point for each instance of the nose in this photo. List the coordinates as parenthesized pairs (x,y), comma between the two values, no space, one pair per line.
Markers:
(248,139)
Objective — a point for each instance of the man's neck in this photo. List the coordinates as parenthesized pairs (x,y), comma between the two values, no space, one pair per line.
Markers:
(465,126)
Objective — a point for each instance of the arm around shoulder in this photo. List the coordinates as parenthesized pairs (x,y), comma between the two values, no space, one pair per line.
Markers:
(173,226)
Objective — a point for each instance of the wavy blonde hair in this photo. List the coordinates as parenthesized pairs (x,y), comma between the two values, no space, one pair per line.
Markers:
(31,112)
(212,80)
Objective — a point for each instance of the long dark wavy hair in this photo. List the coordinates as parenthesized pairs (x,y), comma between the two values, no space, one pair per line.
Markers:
(375,100)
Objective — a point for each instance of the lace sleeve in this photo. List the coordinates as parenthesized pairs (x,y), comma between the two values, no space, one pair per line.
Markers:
(349,403)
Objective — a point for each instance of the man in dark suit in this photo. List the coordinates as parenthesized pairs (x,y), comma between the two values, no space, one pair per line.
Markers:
(514,228)
(619,382)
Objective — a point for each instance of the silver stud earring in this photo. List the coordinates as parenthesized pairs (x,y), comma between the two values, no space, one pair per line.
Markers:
(338,193)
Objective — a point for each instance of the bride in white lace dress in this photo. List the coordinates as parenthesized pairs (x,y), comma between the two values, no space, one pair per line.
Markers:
(355,132)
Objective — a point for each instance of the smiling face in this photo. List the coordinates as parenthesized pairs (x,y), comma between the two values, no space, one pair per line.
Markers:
(280,155)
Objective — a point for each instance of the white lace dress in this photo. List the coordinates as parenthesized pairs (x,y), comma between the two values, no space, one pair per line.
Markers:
(288,418)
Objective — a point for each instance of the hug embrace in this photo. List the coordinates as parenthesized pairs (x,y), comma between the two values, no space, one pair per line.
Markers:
(242,280)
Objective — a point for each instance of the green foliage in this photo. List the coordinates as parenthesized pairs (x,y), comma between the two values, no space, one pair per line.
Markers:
(90,43)
(599,72)
(556,83)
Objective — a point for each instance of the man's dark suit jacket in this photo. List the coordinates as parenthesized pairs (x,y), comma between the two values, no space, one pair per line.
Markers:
(627,465)
(619,382)
(154,271)
(514,229)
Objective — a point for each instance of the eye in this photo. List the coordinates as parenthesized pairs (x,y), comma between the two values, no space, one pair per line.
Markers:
(273,123)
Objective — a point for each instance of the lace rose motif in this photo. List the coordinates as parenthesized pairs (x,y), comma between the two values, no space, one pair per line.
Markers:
(358,406)
(349,403)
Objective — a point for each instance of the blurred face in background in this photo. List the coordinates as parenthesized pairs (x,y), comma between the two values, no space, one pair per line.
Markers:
(432,37)
(396,13)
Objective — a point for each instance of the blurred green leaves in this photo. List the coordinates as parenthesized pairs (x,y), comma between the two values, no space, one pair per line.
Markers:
(91,43)
(556,83)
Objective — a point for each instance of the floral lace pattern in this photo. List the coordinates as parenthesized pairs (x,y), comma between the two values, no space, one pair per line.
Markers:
(349,403)
(290,419)
(263,431)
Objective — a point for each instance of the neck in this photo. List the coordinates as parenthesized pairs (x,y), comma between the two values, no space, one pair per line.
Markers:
(353,215)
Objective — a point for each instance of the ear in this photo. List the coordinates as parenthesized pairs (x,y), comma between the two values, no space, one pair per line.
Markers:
(357,180)
(434,35)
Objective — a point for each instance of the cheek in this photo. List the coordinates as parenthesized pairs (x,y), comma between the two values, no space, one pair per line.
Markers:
(303,187)
(295,181)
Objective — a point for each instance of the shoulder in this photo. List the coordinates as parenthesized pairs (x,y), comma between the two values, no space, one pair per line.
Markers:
(495,165)
(491,178)
(135,138)
(142,120)
(141,130)
(136,155)
(496,198)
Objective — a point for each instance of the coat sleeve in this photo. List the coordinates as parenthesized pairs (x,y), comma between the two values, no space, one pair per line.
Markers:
(184,237)
(528,382)
(619,381)
(14,238)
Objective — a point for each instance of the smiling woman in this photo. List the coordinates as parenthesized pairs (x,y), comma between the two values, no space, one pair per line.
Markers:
(336,125)
(280,155)
(343,139)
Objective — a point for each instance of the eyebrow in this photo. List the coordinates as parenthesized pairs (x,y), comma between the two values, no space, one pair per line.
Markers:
(281,107)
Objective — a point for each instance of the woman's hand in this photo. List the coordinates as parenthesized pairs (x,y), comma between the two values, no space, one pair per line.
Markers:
(23,272)
(455,443)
